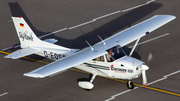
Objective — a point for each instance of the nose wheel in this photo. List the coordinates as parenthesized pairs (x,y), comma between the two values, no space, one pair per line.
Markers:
(130,84)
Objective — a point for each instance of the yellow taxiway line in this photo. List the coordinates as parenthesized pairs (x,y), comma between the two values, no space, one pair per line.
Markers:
(147,87)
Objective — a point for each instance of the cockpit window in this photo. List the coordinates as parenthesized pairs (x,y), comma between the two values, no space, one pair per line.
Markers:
(115,53)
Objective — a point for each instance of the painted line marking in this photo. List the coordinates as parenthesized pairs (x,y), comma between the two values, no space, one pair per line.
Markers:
(95,19)
(16,46)
(151,88)
(35,60)
(7,48)
(10,21)
(53,33)
(121,93)
(147,87)
(139,5)
(107,15)
(152,39)
(82,24)
(164,77)
(3,94)
(112,14)
(138,85)
(38,37)
(27,58)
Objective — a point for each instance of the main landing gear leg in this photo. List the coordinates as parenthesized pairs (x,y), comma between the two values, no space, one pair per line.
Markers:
(87,85)
(91,77)
(130,84)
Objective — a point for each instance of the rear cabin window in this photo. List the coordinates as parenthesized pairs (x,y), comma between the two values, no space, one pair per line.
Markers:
(101,58)
(115,53)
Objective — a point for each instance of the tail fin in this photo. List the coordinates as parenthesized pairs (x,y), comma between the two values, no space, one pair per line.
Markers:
(32,44)
(25,34)
(28,38)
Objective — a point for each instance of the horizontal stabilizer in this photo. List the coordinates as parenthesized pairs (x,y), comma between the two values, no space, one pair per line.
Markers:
(21,52)
(51,40)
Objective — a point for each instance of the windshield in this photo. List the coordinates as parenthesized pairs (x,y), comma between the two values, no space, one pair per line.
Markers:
(115,53)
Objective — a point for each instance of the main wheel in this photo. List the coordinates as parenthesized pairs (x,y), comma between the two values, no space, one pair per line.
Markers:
(130,84)
(85,85)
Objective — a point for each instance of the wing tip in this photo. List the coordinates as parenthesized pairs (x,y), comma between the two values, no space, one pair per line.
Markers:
(11,56)
(33,75)
(168,16)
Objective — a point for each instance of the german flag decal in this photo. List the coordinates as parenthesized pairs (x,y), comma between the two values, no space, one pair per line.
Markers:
(21,25)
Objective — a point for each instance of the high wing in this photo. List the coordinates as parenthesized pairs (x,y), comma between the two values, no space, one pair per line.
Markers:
(122,38)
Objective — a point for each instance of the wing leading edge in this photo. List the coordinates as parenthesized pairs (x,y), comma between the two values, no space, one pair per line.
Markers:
(122,38)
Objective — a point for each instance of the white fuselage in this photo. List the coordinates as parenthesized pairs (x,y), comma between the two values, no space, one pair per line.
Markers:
(123,68)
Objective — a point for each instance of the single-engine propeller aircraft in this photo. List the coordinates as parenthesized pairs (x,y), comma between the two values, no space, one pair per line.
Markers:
(106,58)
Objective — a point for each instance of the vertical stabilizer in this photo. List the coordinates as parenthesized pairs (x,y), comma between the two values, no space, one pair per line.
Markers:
(28,38)
(25,34)
(32,44)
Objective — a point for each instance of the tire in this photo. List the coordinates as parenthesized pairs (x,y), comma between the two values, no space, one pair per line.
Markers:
(87,89)
(130,84)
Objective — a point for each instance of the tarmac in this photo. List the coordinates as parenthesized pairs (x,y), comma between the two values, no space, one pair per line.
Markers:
(72,22)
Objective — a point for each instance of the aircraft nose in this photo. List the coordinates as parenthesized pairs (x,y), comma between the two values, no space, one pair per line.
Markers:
(144,67)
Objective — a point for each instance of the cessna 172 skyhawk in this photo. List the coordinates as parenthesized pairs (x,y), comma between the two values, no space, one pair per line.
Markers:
(106,58)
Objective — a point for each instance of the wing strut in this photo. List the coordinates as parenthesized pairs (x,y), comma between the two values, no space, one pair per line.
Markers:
(89,45)
(134,47)
(102,40)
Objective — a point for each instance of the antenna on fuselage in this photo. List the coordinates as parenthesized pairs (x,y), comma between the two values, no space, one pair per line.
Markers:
(89,45)
(102,40)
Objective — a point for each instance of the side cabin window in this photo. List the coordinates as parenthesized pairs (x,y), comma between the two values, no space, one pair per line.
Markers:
(101,58)
(115,53)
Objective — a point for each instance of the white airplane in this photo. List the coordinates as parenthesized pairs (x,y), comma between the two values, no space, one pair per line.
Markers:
(106,58)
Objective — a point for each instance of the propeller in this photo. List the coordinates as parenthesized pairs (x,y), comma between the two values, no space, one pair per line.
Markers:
(150,57)
(144,78)
(144,68)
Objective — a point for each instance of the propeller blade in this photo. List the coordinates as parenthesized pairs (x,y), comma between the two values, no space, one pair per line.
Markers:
(150,57)
(144,78)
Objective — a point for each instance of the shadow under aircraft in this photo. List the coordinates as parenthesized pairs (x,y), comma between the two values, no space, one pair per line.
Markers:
(105,31)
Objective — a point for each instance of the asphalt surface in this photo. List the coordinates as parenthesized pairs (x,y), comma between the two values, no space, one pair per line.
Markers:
(48,16)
